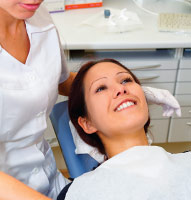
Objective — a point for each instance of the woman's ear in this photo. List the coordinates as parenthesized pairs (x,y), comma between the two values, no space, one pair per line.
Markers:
(86,125)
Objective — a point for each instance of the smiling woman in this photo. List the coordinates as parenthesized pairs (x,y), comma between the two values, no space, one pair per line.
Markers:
(108,89)
(108,108)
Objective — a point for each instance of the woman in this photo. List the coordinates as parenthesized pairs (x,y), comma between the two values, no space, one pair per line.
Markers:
(108,108)
(32,65)
(100,89)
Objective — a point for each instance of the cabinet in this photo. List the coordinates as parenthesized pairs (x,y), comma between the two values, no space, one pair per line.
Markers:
(157,58)
(180,128)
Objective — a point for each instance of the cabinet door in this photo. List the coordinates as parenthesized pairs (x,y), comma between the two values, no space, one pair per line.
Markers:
(184,75)
(159,130)
(184,100)
(152,76)
(165,86)
(185,112)
(183,88)
(185,63)
(180,130)
(156,112)
(154,64)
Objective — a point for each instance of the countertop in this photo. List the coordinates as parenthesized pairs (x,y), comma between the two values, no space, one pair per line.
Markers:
(74,35)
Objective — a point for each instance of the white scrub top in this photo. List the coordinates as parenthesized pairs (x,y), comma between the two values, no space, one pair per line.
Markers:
(27,94)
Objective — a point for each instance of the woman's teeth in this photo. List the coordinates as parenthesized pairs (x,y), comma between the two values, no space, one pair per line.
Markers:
(125,105)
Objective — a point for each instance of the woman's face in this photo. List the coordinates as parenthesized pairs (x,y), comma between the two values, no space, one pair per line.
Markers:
(19,9)
(115,103)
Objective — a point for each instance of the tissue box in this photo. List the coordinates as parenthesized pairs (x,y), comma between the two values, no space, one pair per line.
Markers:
(75,4)
(55,5)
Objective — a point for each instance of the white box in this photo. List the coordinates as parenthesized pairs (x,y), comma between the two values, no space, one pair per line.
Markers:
(54,5)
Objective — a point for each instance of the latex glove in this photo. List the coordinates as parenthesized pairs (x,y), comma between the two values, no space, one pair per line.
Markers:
(163,98)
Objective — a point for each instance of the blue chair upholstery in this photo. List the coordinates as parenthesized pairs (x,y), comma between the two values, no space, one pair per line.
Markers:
(77,164)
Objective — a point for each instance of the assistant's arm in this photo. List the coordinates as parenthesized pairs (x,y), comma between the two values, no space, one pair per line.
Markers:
(12,189)
(64,88)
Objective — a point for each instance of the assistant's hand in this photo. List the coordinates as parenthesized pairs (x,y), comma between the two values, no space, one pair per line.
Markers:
(163,98)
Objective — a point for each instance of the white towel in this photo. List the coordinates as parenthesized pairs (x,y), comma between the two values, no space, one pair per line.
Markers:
(84,148)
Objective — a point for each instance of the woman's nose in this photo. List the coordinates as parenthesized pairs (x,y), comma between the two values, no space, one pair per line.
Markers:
(120,90)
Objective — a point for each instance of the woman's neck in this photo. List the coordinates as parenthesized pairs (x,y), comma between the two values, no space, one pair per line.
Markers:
(9,25)
(13,36)
(118,145)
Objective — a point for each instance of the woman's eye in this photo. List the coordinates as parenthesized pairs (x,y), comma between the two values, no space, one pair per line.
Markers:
(126,80)
(101,88)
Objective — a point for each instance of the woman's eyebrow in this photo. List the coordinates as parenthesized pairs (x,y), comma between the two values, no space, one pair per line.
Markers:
(122,73)
(95,81)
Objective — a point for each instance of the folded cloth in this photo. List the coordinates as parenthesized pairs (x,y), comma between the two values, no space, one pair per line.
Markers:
(153,95)
(84,148)
(164,98)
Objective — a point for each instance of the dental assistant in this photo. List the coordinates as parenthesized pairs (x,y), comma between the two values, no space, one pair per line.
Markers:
(32,66)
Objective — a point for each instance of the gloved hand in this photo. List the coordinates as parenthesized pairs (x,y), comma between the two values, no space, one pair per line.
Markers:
(163,98)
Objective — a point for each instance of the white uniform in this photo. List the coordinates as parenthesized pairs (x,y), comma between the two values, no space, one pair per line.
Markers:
(27,94)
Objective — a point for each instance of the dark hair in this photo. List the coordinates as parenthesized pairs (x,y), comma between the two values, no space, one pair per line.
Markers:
(77,104)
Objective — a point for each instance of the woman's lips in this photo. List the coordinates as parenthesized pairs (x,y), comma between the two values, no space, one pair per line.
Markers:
(30,7)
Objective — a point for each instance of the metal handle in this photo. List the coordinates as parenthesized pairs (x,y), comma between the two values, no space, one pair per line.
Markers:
(148,77)
(188,123)
(145,67)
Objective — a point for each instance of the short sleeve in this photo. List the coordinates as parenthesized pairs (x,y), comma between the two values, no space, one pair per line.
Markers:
(65,72)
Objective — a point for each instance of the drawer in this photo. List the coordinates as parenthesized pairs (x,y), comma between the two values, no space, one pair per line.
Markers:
(132,65)
(152,64)
(166,86)
(183,88)
(156,112)
(159,130)
(155,76)
(133,59)
(184,75)
(180,130)
(184,100)
(186,112)
(185,63)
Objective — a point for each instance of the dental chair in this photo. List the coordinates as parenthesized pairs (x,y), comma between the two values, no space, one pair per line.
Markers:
(77,164)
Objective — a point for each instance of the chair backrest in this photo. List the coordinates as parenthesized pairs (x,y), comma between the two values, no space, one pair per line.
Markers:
(77,164)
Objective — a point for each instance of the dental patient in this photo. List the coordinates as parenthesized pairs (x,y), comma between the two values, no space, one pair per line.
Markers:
(108,109)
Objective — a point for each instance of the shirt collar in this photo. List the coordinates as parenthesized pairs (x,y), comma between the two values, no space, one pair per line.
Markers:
(41,21)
